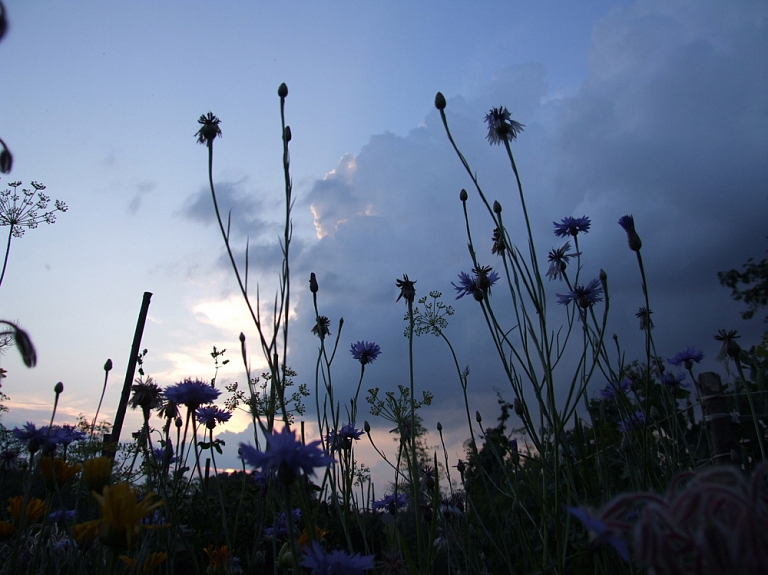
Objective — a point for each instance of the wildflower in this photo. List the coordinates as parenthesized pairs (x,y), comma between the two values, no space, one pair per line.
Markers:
(365,351)
(305,539)
(6,158)
(85,533)
(121,514)
(501,127)
(220,560)
(66,515)
(730,347)
(390,503)
(636,419)
(280,527)
(600,531)
(96,472)
(57,472)
(407,289)
(608,393)
(499,245)
(477,286)
(168,410)
(673,379)
(8,460)
(151,563)
(209,129)
(191,392)
(628,223)
(7,530)
(687,357)
(440,101)
(558,260)
(211,415)
(164,455)
(344,437)
(147,395)
(34,509)
(334,563)
(584,296)
(313,287)
(321,326)
(285,456)
(572,226)
(644,315)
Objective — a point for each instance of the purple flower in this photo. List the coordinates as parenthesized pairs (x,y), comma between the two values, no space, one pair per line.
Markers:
(334,563)
(644,315)
(280,527)
(389,502)
(572,226)
(164,455)
(477,286)
(285,456)
(501,127)
(687,357)
(191,392)
(365,351)
(628,223)
(609,391)
(62,515)
(673,379)
(634,420)
(343,438)
(601,531)
(558,260)
(584,296)
(211,415)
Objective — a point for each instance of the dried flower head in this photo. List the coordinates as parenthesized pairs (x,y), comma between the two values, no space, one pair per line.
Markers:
(558,259)
(644,315)
(730,348)
(209,129)
(407,289)
(321,328)
(501,127)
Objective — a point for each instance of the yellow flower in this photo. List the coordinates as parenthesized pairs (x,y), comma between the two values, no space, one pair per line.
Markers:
(150,565)
(58,473)
(121,514)
(35,508)
(218,559)
(7,530)
(85,533)
(305,538)
(96,473)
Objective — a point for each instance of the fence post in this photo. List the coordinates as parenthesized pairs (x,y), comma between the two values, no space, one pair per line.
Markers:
(716,416)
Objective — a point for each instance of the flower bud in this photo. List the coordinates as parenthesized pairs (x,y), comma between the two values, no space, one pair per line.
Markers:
(24,344)
(6,161)
(242,337)
(313,287)
(478,417)
(496,207)
(518,407)
(108,365)
(179,423)
(287,134)
(58,388)
(440,101)
(463,195)
(439,426)
(604,280)
(282,91)
(366,427)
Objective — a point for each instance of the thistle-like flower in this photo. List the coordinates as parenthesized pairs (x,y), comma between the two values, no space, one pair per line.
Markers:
(584,296)
(191,392)
(365,352)
(558,261)
(209,129)
(730,348)
(572,226)
(644,315)
(407,289)
(687,357)
(501,127)
(478,286)
(628,223)
(211,415)
(322,326)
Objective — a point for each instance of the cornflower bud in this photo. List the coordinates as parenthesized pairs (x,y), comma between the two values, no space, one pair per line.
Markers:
(366,427)
(439,426)
(313,287)
(440,101)
(58,388)
(496,207)
(518,407)
(282,91)
(478,417)
(463,195)
(287,134)
(108,365)
(179,422)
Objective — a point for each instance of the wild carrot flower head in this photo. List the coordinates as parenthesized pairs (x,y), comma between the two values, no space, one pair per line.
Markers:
(572,226)
(558,261)
(501,126)
(584,296)
(407,289)
(285,456)
(687,357)
(365,352)
(211,415)
(336,562)
(122,513)
(24,211)
(191,392)
(209,129)
(628,223)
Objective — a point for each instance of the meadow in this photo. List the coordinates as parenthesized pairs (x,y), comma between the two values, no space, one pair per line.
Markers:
(619,464)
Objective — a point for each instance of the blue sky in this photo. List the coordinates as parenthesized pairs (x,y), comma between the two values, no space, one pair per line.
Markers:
(653,108)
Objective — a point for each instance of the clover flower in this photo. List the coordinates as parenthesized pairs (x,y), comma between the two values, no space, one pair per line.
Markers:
(337,562)
(343,438)
(285,456)
(211,415)
(584,296)
(365,352)
(191,392)
(501,127)
(628,223)
(407,289)
(572,226)
(479,285)
(209,129)
(644,315)
(558,259)
(602,533)
(687,357)
(122,513)
(628,423)
(390,503)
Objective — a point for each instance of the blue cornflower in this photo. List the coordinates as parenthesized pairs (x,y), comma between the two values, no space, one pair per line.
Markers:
(66,434)
(334,563)
(343,438)
(584,296)
(501,126)
(687,357)
(32,437)
(365,351)
(280,527)
(191,392)
(477,286)
(164,455)
(628,223)
(634,420)
(601,531)
(558,260)
(389,502)
(285,456)
(211,415)
(572,226)
(62,515)
(673,379)
(609,391)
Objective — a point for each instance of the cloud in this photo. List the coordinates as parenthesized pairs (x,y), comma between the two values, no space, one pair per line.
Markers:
(142,189)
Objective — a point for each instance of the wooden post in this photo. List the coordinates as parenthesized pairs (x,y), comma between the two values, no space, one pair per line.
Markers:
(716,416)
(130,372)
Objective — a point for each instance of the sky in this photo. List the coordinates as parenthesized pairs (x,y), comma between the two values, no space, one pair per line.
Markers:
(657,109)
